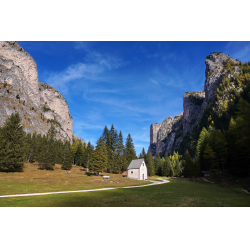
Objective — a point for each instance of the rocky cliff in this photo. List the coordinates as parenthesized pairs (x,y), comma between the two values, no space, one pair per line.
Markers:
(38,104)
(167,137)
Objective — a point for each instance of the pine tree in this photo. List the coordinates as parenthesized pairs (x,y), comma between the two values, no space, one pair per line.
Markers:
(42,151)
(189,166)
(47,156)
(162,166)
(12,138)
(67,156)
(120,154)
(157,163)
(99,158)
(79,155)
(177,165)
(114,142)
(166,170)
(107,140)
(59,151)
(27,146)
(209,158)
(203,140)
(150,164)
(87,155)
(218,144)
(74,147)
(129,150)
(143,154)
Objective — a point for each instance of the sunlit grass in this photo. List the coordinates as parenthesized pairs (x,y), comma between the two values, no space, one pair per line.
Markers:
(33,180)
(179,192)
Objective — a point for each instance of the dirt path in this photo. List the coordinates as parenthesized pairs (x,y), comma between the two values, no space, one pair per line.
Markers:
(83,191)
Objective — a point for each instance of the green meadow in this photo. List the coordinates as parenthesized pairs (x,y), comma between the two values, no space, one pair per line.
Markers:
(179,192)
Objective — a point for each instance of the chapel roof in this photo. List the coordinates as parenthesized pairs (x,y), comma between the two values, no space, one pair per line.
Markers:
(135,164)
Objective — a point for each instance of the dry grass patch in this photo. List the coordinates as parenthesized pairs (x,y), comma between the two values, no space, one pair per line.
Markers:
(33,180)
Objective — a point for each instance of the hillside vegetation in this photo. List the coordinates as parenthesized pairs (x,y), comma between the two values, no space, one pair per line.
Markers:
(221,140)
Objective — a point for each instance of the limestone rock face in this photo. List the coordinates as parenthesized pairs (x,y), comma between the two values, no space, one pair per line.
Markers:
(167,135)
(214,74)
(172,130)
(154,128)
(192,103)
(38,104)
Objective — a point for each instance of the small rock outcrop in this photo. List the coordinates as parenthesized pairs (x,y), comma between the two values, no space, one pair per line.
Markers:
(38,104)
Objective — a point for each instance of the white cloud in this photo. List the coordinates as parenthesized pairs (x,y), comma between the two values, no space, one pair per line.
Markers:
(155,82)
(95,64)
(73,72)
(82,45)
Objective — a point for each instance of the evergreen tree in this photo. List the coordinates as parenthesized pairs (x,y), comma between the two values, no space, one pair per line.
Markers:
(114,142)
(218,144)
(203,140)
(79,155)
(87,155)
(120,154)
(33,148)
(47,158)
(129,150)
(59,146)
(27,146)
(162,166)
(177,165)
(74,147)
(166,170)
(107,140)
(209,158)
(150,164)
(67,156)
(99,158)
(42,151)
(189,166)
(157,163)
(12,138)
(143,154)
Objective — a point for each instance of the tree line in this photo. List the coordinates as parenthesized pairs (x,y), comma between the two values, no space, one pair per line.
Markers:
(169,165)
(16,146)
(111,154)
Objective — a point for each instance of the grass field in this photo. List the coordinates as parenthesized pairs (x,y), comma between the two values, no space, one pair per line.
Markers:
(179,192)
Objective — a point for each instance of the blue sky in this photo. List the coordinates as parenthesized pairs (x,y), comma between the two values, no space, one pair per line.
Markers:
(127,84)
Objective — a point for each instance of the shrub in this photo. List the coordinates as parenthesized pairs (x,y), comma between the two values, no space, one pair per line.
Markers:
(45,109)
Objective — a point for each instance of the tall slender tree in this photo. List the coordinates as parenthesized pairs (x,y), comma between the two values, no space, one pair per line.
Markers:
(87,155)
(157,163)
(12,138)
(99,159)
(113,143)
(107,140)
(150,164)
(120,154)
(166,169)
(129,150)
(67,157)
